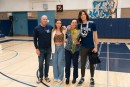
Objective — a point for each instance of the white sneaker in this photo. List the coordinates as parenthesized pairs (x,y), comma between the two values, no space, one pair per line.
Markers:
(55,80)
(60,81)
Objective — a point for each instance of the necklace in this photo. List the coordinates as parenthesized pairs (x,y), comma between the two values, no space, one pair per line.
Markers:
(84,31)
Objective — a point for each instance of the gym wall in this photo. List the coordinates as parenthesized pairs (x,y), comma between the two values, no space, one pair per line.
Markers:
(3,16)
(125,12)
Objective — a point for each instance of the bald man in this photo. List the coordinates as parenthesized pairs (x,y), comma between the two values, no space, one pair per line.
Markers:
(42,43)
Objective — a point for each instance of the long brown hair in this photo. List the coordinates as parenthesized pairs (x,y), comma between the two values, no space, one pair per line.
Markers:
(79,16)
(61,28)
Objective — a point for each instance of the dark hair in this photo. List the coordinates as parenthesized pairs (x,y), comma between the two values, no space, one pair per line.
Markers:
(61,24)
(74,19)
(79,16)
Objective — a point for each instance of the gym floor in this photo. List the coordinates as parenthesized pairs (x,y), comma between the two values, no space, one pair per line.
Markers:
(19,63)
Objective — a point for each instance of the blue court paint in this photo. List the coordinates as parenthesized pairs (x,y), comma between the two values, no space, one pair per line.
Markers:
(103,55)
(119,57)
(104,47)
(119,65)
(117,60)
(119,48)
(102,65)
(122,56)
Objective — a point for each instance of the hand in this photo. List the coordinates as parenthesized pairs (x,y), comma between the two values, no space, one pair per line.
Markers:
(38,52)
(77,42)
(79,38)
(94,50)
(66,40)
(64,27)
(69,27)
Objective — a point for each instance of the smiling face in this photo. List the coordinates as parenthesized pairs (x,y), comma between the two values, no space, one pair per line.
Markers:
(74,24)
(83,16)
(44,20)
(58,24)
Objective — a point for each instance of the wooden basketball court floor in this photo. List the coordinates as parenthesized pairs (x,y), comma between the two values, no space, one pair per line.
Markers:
(19,61)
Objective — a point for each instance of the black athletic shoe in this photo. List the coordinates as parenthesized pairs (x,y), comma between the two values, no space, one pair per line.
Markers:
(92,81)
(67,80)
(81,81)
(74,81)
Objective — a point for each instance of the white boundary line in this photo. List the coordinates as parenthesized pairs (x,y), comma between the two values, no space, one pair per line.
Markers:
(115,58)
(115,53)
(107,65)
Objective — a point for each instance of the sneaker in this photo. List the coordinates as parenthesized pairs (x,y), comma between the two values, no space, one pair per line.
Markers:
(59,81)
(39,80)
(81,81)
(47,79)
(92,81)
(55,80)
(67,81)
(74,81)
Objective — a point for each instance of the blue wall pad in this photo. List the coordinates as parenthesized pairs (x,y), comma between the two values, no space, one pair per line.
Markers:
(31,25)
(5,26)
(66,22)
(20,23)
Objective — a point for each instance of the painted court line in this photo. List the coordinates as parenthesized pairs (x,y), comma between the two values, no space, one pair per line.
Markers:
(115,58)
(115,53)
(128,45)
(107,66)
(30,56)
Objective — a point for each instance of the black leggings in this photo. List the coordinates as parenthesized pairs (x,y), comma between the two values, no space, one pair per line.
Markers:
(84,53)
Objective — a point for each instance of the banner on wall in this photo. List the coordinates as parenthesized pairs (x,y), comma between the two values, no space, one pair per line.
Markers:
(103,9)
